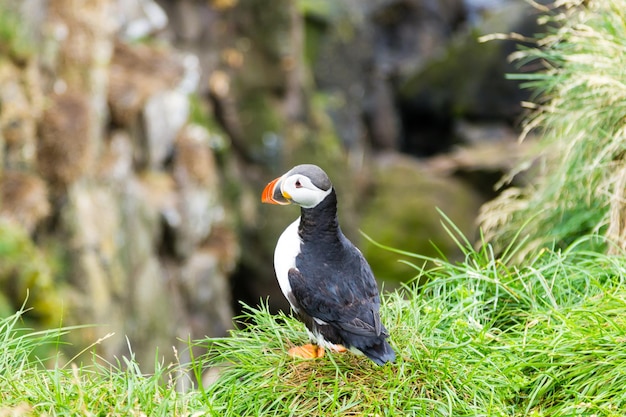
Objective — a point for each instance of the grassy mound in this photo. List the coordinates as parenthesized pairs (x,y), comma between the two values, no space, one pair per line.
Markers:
(481,338)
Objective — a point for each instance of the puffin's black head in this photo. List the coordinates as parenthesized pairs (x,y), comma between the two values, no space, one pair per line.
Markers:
(306,185)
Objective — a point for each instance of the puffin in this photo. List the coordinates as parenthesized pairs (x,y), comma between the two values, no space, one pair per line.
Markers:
(327,281)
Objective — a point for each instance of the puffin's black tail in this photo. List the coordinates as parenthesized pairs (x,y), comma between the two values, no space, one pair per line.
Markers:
(380,353)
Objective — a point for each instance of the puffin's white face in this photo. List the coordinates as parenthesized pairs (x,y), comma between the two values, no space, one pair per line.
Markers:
(300,189)
(306,185)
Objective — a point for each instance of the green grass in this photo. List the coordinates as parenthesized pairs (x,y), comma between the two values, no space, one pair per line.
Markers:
(42,386)
(578,111)
(482,337)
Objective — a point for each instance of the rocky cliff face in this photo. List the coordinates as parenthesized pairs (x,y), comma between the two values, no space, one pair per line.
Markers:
(108,183)
(135,138)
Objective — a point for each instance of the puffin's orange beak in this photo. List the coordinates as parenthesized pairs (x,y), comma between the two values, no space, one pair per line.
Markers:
(273,195)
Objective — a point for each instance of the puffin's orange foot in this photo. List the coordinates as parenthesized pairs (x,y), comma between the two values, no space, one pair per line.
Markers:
(308,351)
(339,348)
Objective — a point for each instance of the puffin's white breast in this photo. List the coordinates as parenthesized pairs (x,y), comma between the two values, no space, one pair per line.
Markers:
(287,248)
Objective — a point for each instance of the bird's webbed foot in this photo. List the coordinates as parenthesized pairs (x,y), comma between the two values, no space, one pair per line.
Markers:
(308,351)
(311,351)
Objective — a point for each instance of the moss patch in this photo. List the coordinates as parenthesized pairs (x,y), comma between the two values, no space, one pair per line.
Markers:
(402,213)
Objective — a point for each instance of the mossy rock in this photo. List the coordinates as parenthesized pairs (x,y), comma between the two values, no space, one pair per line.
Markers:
(402,213)
(15,41)
(26,274)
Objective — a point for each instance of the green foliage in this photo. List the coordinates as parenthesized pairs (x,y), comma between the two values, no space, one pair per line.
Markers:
(580,112)
(98,388)
(321,9)
(482,337)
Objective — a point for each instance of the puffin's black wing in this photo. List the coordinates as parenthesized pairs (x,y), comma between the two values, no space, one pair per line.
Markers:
(349,317)
(337,286)
(345,297)
(352,311)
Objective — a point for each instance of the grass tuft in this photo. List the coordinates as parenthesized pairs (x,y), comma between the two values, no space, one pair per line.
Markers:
(579,110)
(45,386)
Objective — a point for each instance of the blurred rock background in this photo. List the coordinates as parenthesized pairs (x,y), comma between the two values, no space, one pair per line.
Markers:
(137,135)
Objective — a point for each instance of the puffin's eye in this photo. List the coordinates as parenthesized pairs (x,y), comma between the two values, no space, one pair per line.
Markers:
(298,185)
